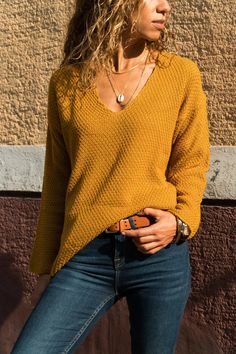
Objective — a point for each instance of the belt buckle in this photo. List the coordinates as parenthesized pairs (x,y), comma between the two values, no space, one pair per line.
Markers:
(109,232)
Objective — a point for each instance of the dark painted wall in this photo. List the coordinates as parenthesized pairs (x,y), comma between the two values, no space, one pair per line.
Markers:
(209,320)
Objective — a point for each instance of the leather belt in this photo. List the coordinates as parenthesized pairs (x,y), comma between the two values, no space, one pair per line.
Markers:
(134,221)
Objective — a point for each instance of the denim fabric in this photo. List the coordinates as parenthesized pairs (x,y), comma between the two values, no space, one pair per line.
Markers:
(156,287)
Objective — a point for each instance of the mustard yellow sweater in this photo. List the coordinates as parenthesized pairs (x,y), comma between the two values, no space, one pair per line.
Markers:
(102,166)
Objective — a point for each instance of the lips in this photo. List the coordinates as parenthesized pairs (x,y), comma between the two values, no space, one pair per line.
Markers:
(159,24)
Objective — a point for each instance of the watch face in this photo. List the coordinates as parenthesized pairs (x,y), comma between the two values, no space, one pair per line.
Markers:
(185,230)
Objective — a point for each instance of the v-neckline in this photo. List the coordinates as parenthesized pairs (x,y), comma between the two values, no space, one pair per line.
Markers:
(133,101)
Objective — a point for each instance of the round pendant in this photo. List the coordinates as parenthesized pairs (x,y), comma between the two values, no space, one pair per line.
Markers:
(120,98)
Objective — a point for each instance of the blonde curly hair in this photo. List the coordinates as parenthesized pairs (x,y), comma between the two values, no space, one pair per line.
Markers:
(94,34)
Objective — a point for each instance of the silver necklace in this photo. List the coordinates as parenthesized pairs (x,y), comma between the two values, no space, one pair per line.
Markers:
(125,71)
(120,97)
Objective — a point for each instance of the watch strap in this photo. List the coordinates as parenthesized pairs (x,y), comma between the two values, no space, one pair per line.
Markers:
(180,231)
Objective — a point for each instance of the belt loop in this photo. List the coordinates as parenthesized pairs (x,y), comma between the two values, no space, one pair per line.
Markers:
(132,222)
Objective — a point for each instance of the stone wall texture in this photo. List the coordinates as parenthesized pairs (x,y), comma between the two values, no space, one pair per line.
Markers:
(33,33)
(32,37)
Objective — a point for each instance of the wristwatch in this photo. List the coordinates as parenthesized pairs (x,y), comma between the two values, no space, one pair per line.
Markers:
(182,232)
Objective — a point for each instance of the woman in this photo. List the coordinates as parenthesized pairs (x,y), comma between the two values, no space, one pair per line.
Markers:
(126,155)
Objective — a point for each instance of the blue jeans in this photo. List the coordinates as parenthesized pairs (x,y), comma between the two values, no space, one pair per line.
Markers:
(156,287)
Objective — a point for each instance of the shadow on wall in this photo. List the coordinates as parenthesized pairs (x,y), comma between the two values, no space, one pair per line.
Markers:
(194,339)
(13,309)
(11,287)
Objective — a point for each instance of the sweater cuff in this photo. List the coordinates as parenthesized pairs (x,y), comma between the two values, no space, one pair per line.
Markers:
(192,219)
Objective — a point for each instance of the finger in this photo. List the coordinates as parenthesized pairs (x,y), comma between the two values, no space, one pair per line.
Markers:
(146,239)
(152,250)
(156,213)
(142,231)
(145,248)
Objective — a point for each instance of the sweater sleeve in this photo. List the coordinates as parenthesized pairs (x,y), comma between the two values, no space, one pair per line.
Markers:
(190,155)
(56,174)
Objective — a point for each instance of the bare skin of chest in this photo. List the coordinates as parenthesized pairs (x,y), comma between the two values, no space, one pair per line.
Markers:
(130,79)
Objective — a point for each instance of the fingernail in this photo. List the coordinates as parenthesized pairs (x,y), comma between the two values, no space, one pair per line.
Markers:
(123,233)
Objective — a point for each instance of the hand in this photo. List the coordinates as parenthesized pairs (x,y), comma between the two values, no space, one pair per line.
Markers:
(156,236)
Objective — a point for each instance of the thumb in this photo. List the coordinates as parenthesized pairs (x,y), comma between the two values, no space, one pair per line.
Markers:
(153,212)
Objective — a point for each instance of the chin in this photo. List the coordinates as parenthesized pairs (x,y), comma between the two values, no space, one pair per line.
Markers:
(152,38)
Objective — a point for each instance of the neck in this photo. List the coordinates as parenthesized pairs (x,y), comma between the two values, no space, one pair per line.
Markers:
(129,53)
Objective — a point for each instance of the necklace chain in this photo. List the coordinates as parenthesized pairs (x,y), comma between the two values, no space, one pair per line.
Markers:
(125,71)
(120,96)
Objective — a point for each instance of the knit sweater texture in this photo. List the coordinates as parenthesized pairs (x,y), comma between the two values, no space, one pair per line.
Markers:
(102,166)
